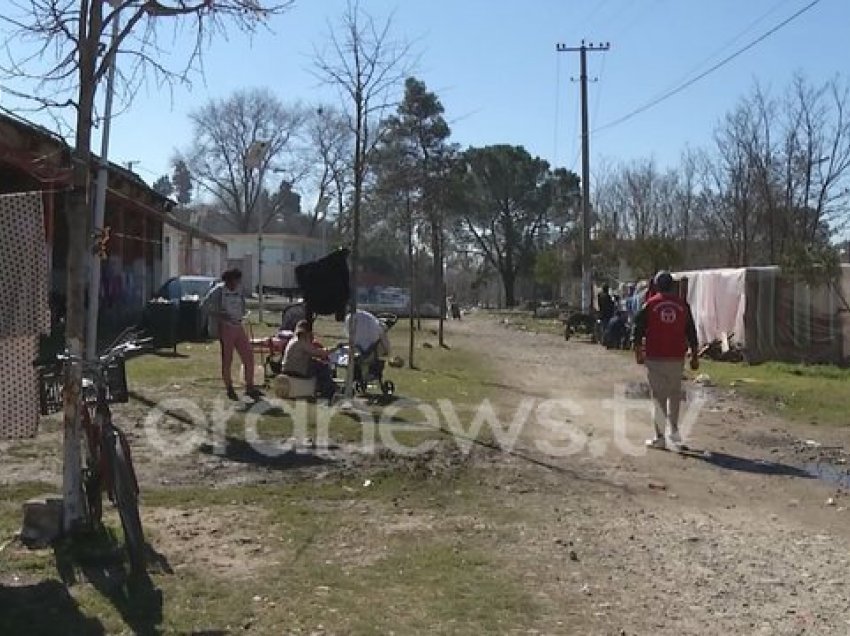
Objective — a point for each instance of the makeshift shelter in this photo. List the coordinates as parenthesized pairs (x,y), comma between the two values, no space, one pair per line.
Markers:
(771,314)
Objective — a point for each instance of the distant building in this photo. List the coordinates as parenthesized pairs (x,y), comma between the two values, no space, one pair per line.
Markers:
(281,254)
(187,250)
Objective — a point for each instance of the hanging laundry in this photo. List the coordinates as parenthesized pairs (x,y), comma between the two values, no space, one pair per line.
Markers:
(23,266)
(19,405)
(25,313)
(325,284)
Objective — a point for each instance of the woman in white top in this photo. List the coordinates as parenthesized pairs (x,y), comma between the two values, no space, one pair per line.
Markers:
(227,311)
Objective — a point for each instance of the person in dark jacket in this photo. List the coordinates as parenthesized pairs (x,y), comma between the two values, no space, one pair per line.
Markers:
(664,332)
(606,305)
(616,331)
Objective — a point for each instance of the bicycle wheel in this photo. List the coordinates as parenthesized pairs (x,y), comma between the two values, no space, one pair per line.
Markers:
(126,493)
(93,471)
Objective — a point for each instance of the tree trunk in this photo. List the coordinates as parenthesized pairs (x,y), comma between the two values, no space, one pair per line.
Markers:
(412,303)
(508,273)
(74,512)
(441,289)
(359,158)
(437,257)
(509,281)
(79,212)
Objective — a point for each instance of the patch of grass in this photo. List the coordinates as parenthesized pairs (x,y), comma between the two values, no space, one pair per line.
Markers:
(429,586)
(428,569)
(346,559)
(814,394)
(418,579)
(526,321)
(440,374)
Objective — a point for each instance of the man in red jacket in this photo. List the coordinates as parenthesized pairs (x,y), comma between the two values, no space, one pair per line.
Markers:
(666,324)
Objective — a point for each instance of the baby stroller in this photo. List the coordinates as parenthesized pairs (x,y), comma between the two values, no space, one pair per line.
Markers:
(369,365)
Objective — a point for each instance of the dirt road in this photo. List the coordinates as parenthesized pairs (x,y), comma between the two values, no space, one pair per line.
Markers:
(573,527)
(735,540)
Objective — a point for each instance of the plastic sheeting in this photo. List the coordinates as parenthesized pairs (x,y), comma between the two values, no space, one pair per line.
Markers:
(773,316)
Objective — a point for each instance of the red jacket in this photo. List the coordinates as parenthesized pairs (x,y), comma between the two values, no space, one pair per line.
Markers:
(668,325)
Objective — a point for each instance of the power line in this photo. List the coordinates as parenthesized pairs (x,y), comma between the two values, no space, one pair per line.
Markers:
(599,89)
(731,42)
(711,69)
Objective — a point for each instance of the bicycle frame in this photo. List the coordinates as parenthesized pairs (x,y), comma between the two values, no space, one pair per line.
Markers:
(109,465)
(100,434)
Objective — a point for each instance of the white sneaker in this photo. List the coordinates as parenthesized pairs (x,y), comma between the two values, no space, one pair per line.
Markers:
(675,438)
(656,442)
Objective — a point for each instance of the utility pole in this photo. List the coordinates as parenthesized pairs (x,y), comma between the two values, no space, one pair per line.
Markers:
(586,271)
(99,213)
(260,259)
(256,157)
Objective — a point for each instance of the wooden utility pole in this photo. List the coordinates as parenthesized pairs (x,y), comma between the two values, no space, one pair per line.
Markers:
(586,267)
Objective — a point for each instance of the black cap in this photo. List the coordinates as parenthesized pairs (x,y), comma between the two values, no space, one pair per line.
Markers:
(663,281)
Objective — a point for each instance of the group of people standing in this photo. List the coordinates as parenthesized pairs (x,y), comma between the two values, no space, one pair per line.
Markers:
(663,333)
(303,357)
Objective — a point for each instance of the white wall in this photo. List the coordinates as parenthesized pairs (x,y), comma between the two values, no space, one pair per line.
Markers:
(281,254)
(206,258)
(170,252)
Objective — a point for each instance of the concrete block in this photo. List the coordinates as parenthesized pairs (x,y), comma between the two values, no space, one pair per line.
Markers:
(42,521)
(288,387)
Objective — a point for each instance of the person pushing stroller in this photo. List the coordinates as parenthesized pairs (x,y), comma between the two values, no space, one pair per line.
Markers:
(369,333)
(371,345)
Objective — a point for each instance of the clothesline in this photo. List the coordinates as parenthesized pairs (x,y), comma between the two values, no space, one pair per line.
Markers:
(30,192)
(134,238)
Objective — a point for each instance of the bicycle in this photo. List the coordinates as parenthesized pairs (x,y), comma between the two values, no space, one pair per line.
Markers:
(108,462)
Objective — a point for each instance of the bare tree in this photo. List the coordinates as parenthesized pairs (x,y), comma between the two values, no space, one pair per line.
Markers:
(818,151)
(328,155)
(367,67)
(74,40)
(781,170)
(685,200)
(224,133)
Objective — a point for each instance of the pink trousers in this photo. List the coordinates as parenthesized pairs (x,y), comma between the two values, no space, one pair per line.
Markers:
(234,337)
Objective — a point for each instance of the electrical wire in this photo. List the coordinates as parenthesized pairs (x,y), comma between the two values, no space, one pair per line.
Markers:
(595,12)
(576,150)
(711,69)
(599,82)
(729,43)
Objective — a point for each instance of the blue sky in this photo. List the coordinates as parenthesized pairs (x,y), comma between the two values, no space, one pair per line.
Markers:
(494,65)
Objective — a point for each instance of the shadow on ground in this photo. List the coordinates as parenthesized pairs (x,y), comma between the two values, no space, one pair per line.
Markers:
(265,455)
(98,559)
(44,608)
(754,466)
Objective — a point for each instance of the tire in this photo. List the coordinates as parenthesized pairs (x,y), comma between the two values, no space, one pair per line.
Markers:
(93,472)
(126,498)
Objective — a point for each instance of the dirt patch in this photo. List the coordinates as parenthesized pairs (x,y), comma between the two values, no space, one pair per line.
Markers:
(738,539)
(225,542)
